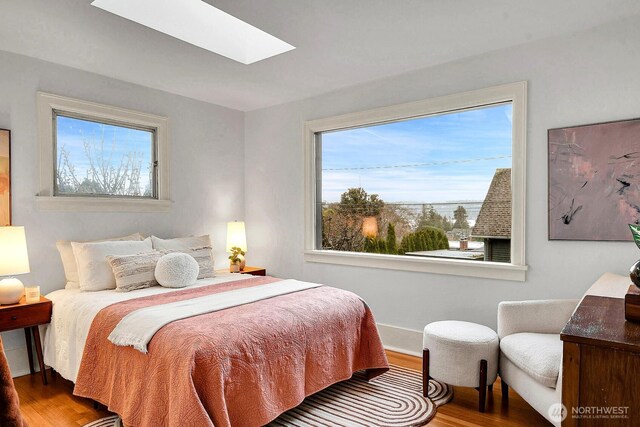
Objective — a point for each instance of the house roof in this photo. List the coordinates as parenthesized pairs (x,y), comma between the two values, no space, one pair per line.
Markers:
(494,219)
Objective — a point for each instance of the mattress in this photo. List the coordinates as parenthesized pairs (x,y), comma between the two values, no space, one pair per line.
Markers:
(74,311)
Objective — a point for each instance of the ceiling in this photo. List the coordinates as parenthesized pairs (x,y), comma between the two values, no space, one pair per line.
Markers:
(339,43)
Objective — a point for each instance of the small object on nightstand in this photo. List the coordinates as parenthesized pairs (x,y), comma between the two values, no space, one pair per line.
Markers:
(255,271)
(632,304)
(29,317)
(236,245)
(32,294)
(236,260)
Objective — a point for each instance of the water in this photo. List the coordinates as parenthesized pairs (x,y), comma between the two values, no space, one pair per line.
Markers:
(447,208)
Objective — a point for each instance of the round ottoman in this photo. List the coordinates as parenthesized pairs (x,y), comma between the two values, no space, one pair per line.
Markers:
(461,354)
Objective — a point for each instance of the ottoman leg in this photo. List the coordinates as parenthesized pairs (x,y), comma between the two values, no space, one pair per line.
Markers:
(505,390)
(483,385)
(425,372)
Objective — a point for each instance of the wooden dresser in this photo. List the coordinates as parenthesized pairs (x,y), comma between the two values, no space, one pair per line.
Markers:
(601,362)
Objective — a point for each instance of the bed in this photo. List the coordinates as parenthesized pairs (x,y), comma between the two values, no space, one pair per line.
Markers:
(241,366)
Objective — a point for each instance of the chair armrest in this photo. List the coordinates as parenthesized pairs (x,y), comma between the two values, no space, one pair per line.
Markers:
(537,316)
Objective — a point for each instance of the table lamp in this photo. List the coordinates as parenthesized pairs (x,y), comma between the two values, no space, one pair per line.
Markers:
(237,238)
(14,259)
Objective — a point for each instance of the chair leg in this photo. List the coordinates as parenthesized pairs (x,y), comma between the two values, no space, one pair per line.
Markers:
(505,390)
(425,372)
(482,388)
(490,387)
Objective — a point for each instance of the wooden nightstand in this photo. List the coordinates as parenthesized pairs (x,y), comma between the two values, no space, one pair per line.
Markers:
(254,271)
(28,316)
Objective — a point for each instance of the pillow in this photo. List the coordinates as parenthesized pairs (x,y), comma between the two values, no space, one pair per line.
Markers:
(184,244)
(203,257)
(176,270)
(181,243)
(94,271)
(134,271)
(69,260)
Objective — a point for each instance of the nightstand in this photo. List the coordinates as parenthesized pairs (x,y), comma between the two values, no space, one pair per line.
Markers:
(28,316)
(254,271)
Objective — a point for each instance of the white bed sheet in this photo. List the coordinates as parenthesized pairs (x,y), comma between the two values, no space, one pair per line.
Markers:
(74,311)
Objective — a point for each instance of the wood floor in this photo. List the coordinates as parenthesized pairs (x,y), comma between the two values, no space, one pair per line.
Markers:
(55,406)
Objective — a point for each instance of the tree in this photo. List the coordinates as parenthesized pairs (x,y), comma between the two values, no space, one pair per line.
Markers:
(342,222)
(375,245)
(425,239)
(429,217)
(341,232)
(402,218)
(391,239)
(460,216)
(102,175)
(356,201)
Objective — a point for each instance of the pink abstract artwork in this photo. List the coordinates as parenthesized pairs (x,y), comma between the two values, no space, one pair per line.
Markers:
(594,181)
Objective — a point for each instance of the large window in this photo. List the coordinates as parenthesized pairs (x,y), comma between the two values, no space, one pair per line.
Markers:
(428,183)
(99,157)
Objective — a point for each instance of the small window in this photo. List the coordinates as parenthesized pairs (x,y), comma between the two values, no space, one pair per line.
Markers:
(96,157)
(433,186)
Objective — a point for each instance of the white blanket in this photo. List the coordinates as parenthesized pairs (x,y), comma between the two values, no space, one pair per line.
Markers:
(74,311)
(137,328)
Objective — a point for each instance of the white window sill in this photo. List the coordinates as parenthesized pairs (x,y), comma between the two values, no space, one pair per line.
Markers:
(488,270)
(100,204)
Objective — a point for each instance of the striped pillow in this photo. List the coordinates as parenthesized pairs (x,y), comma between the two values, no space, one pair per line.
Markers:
(204,257)
(134,271)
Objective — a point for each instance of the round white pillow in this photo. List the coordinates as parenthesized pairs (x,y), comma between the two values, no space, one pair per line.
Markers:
(176,270)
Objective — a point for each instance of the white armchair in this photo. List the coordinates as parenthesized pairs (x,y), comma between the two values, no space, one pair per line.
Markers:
(531,350)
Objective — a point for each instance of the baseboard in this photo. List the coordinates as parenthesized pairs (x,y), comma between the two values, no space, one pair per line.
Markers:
(401,340)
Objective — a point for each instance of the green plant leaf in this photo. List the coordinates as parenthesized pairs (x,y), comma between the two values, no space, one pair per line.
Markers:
(635,231)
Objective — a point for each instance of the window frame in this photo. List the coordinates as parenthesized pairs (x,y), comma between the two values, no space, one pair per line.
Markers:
(49,107)
(516,93)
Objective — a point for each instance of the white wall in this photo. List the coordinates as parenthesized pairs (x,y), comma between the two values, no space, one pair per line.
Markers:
(221,164)
(207,169)
(584,78)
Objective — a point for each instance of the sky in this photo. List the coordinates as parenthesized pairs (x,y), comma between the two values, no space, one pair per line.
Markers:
(72,132)
(448,157)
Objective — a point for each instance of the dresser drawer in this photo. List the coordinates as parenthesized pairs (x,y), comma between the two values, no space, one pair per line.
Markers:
(24,316)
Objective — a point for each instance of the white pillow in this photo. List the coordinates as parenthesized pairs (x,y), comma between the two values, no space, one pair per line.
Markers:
(94,271)
(203,257)
(69,260)
(181,243)
(176,270)
(134,271)
(184,244)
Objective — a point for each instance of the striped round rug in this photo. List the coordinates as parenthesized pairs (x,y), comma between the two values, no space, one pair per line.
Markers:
(393,399)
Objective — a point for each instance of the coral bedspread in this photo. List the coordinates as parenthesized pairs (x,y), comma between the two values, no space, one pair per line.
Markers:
(242,366)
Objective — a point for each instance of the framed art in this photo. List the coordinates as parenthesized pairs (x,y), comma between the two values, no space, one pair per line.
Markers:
(5,177)
(594,181)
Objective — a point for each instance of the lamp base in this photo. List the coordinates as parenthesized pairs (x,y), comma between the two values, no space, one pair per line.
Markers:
(11,290)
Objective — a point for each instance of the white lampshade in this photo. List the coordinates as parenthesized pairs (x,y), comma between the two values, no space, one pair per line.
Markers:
(14,258)
(236,236)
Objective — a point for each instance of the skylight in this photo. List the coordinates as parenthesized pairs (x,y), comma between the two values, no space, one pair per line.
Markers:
(202,25)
